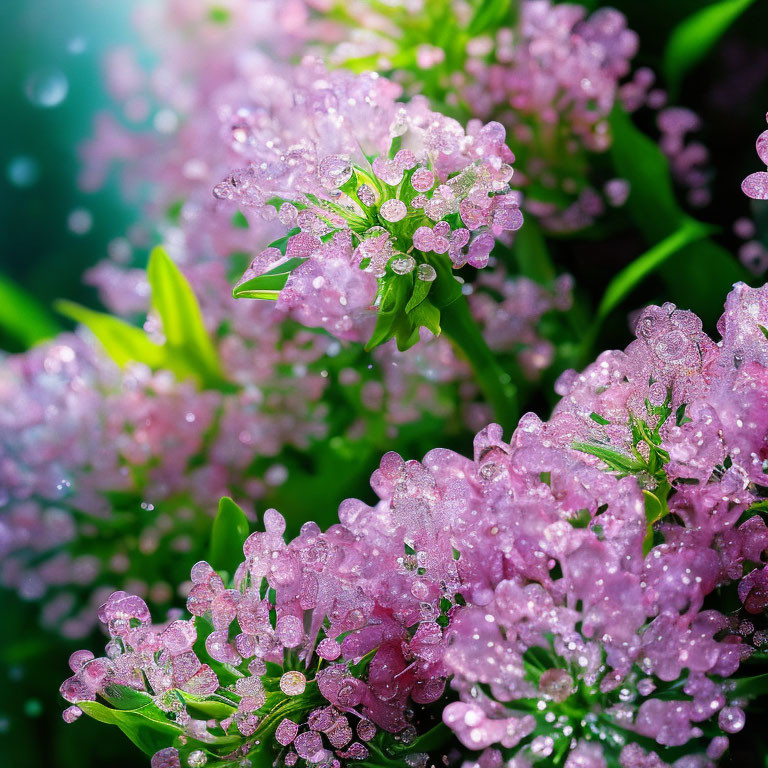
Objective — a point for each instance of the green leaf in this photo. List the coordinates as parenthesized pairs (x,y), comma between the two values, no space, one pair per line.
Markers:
(185,333)
(394,296)
(207,707)
(699,276)
(654,511)
(490,15)
(123,342)
(426,314)
(695,36)
(139,725)
(124,697)
(751,687)
(268,285)
(22,317)
(239,221)
(420,291)
(230,530)
(598,418)
(629,277)
(616,460)
(531,252)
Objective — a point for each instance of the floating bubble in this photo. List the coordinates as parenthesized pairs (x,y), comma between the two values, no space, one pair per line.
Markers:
(23,171)
(80,221)
(76,45)
(46,88)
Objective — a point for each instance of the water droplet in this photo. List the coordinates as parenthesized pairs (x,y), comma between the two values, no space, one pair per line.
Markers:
(46,87)
(197,759)
(293,683)
(80,221)
(426,273)
(23,171)
(403,265)
(393,210)
(334,171)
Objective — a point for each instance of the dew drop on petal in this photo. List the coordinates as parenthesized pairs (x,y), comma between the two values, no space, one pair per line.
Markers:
(293,683)
(366,195)
(393,210)
(334,171)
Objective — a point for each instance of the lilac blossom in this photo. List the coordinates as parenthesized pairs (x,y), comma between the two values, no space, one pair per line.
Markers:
(86,446)
(381,198)
(546,596)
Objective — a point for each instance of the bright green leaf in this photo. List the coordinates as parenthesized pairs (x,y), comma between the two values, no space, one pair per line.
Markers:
(394,296)
(428,315)
(695,36)
(268,285)
(629,277)
(239,221)
(230,530)
(22,317)
(490,15)
(420,291)
(185,332)
(123,342)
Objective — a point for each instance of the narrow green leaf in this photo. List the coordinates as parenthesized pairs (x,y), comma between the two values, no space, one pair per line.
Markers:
(230,530)
(616,460)
(695,36)
(183,326)
(751,687)
(489,15)
(629,277)
(22,317)
(699,275)
(123,342)
(268,285)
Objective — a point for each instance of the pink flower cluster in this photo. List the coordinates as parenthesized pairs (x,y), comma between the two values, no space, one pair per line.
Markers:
(552,79)
(89,452)
(556,582)
(369,187)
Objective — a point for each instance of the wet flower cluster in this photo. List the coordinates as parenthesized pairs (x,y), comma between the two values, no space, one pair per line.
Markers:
(550,73)
(545,599)
(381,198)
(107,473)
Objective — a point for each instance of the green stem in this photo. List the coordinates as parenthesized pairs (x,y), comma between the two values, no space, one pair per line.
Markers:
(495,383)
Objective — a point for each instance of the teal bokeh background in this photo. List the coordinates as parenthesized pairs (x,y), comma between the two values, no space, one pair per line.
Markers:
(45,44)
(48,47)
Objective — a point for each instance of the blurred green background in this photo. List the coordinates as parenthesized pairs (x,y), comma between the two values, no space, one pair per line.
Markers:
(51,53)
